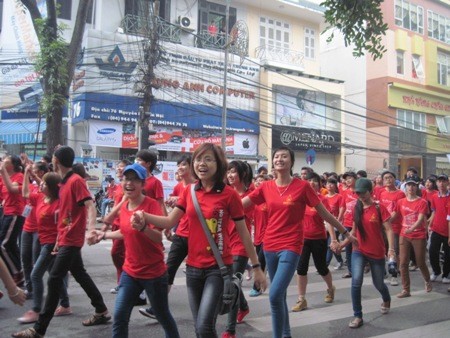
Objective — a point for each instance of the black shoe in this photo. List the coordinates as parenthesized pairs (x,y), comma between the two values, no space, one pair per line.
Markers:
(147,312)
(140,301)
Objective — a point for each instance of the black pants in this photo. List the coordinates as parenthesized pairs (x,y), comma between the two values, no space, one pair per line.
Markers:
(10,230)
(177,254)
(436,241)
(67,259)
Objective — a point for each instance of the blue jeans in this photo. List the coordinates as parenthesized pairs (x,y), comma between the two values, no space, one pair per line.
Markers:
(157,293)
(67,259)
(377,268)
(105,203)
(29,252)
(281,266)
(205,288)
(44,263)
(330,252)
(348,253)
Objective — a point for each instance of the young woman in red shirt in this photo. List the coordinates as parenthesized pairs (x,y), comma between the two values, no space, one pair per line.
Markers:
(260,223)
(315,245)
(219,204)
(29,244)
(45,202)
(413,210)
(337,207)
(144,267)
(286,198)
(369,220)
(12,222)
(239,177)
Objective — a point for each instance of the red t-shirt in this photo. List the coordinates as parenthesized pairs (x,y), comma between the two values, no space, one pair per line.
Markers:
(441,207)
(350,198)
(72,220)
(427,195)
(118,195)
(111,191)
(260,218)
(389,200)
(13,204)
(284,229)
(30,224)
(335,202)
(237,248)
(373,243)
(153,188)
(314,226)
(377,191)
(183,224)
(47,218)
(410,211)
(219,206)
(144,258)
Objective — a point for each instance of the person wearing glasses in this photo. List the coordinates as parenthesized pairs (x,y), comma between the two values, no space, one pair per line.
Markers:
(144,267)
(220,204)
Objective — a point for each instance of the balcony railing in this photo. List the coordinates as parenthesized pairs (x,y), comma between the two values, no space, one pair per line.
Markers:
(277,56)
(215,41)
(142,26)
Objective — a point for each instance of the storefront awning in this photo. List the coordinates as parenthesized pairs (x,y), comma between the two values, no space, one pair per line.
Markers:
(19,132)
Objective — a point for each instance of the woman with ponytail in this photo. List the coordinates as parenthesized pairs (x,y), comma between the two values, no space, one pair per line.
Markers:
(369,221)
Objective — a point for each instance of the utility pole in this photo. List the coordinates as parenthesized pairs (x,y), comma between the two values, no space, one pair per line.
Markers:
(225,79)
(151,58)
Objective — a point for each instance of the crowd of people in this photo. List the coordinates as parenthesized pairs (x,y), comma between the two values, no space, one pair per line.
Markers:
(265,222)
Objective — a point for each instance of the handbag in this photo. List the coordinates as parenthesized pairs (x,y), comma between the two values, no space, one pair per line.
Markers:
(231,284)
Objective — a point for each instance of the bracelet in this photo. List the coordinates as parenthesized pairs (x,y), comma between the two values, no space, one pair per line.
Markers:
(345,232)
(15,295)
(391,250)
(104,236)
(335,240)
(255,266)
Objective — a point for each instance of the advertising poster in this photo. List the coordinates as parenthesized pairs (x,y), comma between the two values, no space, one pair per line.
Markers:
(94,168)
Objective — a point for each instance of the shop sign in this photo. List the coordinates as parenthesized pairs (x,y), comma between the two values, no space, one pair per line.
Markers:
(302,139)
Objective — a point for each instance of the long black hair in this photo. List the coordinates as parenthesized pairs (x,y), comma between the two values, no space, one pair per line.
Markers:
(357,218)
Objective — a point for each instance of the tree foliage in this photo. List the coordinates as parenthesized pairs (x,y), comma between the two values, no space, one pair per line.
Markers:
(361,23)
(56,62)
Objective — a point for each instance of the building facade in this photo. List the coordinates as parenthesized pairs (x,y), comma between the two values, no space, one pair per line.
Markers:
(408,90)
(275,91)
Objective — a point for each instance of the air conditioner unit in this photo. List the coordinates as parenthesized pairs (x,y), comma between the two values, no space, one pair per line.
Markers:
(186,22)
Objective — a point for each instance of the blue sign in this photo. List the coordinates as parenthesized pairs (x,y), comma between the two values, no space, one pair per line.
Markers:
(125,109)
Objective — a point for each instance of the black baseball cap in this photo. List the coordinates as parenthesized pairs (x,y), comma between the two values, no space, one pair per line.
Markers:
(413,179)
(442,177)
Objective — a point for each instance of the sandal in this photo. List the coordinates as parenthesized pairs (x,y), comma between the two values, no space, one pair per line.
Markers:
(97,319)
(356,323)
(404,294)
(385,307)
(428,286)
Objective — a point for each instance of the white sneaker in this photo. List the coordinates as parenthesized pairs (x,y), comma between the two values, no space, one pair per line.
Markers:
(433,277)
(394,281)
(446,280)
(114,290)
(339,266)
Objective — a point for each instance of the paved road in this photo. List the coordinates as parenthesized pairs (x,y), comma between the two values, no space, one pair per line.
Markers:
(422,315)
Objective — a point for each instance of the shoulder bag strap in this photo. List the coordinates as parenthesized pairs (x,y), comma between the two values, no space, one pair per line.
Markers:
(212,244)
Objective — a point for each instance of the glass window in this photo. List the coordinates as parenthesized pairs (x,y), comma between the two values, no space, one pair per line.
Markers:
(64,9)
(309,43)
(411,120)
(274,33)
(440,121)
(443,68)
(417,67)
(408,15)
(400,62)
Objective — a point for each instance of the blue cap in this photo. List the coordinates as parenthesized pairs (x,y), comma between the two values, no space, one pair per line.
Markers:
(140,171)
